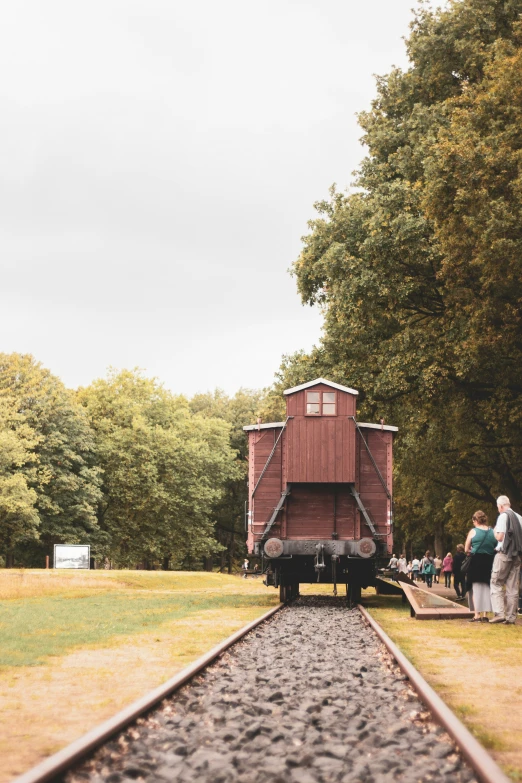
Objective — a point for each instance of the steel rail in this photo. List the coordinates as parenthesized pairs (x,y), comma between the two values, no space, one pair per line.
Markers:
(477,757)
(64,759)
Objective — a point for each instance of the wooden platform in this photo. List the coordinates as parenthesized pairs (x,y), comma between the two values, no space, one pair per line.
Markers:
(424,604)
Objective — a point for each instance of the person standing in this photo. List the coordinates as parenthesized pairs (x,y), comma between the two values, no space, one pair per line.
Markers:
(447,567)
(459,579)
(437,562)
(427,568)
(245,568)
(393,565)
(480,544)
(506,566)
(415,565)
(402,565)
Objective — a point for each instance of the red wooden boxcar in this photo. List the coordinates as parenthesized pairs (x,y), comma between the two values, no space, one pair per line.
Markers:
(320,491)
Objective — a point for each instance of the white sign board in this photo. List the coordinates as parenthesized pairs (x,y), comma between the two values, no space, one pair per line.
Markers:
(72,556)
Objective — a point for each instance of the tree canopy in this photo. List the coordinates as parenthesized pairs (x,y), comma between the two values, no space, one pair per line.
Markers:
(142,475)
(243,408)
(164,470)
(52,461)
(419,267)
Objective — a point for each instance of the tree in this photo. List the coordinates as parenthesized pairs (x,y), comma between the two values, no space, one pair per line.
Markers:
(164,470)
(419,269)
(61,469)
(239,410)
(19,519)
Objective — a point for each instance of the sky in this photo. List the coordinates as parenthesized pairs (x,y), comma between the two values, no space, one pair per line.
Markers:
(160,160)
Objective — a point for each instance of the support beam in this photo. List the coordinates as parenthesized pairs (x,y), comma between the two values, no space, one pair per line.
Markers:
(362,509)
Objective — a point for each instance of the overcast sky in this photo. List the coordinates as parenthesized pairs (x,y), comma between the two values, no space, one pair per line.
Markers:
(159,162)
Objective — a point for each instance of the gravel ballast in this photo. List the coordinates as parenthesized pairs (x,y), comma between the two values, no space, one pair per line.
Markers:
(310,696)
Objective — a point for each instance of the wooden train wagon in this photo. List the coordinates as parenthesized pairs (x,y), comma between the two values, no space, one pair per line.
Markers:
(320,492)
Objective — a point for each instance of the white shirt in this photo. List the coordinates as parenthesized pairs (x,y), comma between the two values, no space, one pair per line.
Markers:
(501,527)
(415,564)
(403,565)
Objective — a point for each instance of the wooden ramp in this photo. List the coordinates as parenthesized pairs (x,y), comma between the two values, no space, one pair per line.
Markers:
(424,605)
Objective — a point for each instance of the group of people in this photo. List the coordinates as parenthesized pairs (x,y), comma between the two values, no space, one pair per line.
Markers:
(427,569)
(486,568)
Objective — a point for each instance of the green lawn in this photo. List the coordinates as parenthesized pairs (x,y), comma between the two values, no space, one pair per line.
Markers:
(89,643)
(36,627)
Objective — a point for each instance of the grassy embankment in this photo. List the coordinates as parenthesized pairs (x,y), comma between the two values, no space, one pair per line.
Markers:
(476,668)
(77,646)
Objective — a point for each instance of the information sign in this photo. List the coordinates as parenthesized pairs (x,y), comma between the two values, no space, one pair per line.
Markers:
(72,556)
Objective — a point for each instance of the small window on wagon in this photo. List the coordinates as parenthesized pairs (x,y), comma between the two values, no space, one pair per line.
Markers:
(329,404)
(313,404)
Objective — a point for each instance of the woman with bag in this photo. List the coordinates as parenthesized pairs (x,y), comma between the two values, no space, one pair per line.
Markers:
(427,568)
(480,548)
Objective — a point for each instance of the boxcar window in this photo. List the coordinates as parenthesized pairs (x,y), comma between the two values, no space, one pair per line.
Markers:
(313,406)
(329,404)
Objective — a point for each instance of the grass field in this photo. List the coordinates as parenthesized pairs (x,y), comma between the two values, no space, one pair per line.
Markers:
(32,629)
(475,667)
(75,647)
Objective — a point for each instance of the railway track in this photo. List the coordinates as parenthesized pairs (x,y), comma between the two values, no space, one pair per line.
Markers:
(310,696)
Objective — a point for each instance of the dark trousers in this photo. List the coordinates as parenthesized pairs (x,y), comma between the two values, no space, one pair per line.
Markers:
(429,579)
(447,578)
(459,583)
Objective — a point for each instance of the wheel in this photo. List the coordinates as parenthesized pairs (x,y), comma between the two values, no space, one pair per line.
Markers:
(354,594)
(294,590)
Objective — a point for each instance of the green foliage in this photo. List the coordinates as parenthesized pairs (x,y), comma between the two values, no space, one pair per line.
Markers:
(36,628)
(54,483)
(419,270)
(239,410)
(19,519)
(164,470)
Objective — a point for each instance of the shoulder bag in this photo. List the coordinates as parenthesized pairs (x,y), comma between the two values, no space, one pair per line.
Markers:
(467,562)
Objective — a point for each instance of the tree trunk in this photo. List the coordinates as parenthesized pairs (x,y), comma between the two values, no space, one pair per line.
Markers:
(209,563)
(230,553)
(439,542)
(166,563)
(9,560)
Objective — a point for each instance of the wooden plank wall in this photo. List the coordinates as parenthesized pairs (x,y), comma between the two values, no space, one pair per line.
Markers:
(320,448)
(310,512)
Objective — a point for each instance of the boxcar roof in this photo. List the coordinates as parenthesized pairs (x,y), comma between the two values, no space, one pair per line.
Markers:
(273,424)
(320,380)
(264,426)
(379,427)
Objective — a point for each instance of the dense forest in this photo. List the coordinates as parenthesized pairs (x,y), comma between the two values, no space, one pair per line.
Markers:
(418,271)
(147,478)
(418,268)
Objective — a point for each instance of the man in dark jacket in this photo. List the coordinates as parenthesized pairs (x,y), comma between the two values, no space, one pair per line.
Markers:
(459,579)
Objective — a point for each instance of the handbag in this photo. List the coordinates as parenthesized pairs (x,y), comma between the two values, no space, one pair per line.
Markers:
(467,562)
